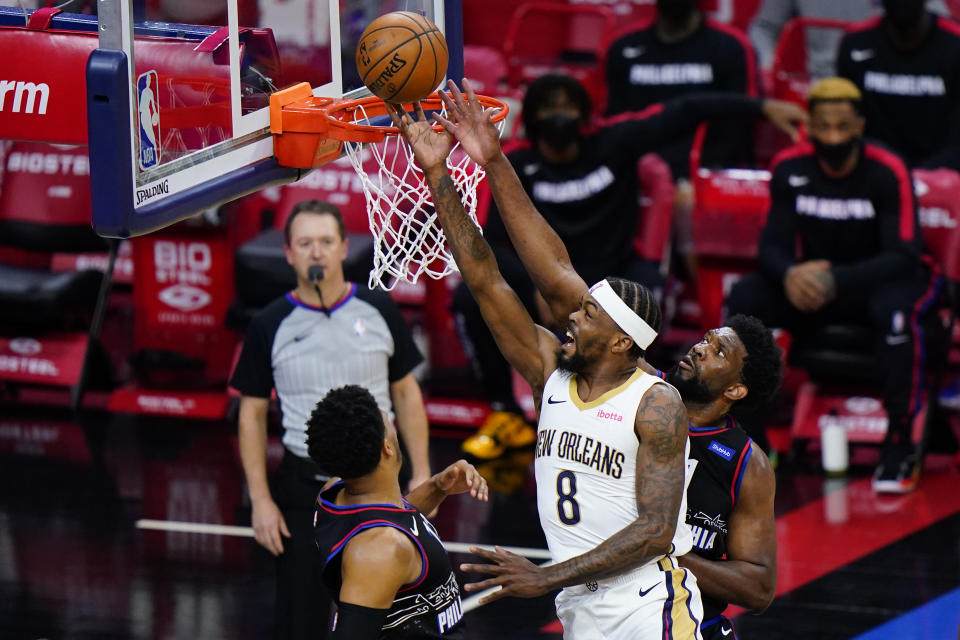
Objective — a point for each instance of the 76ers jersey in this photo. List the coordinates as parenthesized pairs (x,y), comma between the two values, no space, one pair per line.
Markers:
(430,607)
(586,465)
(720,457)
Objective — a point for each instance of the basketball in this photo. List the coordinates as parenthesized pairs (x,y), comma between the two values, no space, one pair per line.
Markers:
(402,57)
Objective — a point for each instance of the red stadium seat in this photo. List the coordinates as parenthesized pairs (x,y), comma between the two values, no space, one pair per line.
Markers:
(737,13)
(486,68)
(49,321)
(791,76)
(730,209)
(545,36)
(656,208)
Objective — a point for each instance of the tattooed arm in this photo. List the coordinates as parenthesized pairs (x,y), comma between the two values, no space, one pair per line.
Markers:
(747,577)
(661,426)
(537,244)
(529,348)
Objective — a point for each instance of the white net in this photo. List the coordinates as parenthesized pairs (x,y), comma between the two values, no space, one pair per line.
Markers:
(408,240)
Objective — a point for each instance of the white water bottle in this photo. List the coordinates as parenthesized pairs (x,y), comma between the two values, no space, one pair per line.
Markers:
(834,451)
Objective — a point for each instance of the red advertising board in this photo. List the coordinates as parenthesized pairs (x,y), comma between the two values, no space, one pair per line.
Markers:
(50,439)
(861,416)
(45,183)
(42,95)
(55,359)
(122,268)
(183,289)
(196,405)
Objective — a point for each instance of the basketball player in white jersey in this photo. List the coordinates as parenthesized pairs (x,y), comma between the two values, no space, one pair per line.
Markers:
(612,439)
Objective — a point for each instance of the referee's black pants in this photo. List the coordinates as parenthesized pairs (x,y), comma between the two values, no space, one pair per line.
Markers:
(303,604)
(894,310)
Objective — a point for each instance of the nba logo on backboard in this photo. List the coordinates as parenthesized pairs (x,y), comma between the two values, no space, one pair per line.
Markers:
(148,86)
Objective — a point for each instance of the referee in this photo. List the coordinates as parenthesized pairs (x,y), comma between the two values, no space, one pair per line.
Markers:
(324,334)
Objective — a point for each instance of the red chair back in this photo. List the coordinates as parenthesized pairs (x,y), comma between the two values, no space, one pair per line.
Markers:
(656,208)
(939,214)
(546,36)
(791,75)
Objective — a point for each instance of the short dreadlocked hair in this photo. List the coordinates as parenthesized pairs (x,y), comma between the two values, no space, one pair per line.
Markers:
(762,370)
(345,432)
(643,303)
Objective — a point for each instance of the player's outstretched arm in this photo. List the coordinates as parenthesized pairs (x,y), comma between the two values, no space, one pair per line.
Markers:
(661,426)
(748,577)
(662,123)
(459,477)
(530,349)
(540,248)
(375,564)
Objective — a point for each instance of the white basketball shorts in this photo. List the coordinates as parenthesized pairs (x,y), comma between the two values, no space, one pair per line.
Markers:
(659,600)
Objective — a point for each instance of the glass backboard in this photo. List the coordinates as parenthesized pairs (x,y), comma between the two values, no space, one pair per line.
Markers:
(178,94)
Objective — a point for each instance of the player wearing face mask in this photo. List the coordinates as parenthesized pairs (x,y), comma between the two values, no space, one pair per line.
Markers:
(584,179)
(842,245)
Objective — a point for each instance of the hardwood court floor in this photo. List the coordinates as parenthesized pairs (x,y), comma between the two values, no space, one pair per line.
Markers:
(73,564)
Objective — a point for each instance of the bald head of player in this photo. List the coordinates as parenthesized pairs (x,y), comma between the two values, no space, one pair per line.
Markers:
(615,323)
(738,363)
(836,125)
(349,437)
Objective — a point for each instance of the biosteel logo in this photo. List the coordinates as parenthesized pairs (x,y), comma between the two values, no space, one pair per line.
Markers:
(19,89)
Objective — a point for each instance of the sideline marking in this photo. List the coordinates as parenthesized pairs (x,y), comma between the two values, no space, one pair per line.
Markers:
(247,532)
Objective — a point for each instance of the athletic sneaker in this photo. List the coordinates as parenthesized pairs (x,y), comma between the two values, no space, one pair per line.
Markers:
(509,473)
(897,473)
(501,430)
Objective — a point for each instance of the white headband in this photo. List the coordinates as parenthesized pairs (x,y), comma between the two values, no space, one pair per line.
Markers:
(628,321)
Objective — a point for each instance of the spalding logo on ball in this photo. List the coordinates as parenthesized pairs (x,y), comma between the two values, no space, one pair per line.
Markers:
(402,57)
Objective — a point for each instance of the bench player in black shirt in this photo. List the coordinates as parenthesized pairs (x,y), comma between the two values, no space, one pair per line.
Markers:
(849,206)
(907,66)
(379,556)
(684,52)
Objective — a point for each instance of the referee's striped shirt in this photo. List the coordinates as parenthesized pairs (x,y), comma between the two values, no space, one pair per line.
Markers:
(298,350)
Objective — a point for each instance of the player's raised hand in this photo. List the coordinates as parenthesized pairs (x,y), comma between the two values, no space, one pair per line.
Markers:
(470,123)
(786,116)
(430,147)
(460,477)
(517,576)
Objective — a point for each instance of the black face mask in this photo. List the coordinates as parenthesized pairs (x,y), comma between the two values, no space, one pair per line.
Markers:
(903,14)
(676,10)
(559,130)
(835,154)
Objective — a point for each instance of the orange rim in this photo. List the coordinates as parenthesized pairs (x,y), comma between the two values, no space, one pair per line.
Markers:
(341,114)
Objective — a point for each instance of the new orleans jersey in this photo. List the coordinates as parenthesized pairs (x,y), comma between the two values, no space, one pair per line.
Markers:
(586,465)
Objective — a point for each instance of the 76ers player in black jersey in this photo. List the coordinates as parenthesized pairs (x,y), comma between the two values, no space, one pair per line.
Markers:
(730,497)
(379,557)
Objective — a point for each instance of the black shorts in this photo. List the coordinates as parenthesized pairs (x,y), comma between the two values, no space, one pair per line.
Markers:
(719,628)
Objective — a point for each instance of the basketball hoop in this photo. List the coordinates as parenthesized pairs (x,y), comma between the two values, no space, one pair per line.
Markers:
(408,240)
